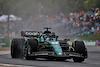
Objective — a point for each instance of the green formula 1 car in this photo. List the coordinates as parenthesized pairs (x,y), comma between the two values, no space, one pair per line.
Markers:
(45,44)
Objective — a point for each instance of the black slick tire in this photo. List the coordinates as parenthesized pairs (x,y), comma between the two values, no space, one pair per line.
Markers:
(17,48)
(31,44)
(79,47)
(77,59)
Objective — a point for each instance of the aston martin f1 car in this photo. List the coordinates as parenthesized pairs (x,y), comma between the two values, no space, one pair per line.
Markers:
(33,44)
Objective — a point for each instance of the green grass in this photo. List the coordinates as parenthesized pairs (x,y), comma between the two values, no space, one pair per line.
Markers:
(4,48)
(91,37)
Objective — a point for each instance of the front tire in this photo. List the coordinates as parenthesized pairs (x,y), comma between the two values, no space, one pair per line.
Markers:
(77,59)
(79,47)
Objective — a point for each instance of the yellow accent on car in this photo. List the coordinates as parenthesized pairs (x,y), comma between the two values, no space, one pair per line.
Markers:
(36,38)
(41,48)
(74,42)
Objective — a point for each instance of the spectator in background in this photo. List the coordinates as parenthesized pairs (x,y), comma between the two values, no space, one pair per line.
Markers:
(92,21)
(97,12)
(86,23)
(98,29)
(93,10)
(62,15)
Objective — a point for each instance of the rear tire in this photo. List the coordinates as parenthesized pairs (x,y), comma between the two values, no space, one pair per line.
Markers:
(31,46)
(17,48)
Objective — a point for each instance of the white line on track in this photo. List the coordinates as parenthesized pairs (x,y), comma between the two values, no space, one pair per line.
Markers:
(4,52)
(9,65)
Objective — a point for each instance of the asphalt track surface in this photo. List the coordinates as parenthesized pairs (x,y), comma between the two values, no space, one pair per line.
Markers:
(93,60)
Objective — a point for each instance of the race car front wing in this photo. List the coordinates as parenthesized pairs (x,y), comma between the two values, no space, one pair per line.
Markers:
(67,55)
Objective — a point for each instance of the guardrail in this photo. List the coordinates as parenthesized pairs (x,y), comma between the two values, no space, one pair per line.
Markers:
(5,41)
(89,42)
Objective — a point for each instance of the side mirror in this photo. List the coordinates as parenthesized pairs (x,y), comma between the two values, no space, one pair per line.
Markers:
(56,36)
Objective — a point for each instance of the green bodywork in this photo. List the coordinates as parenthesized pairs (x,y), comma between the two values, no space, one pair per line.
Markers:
(54,43)
(56,46)
(27,44)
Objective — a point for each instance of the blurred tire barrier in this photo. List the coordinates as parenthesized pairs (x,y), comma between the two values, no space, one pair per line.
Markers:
(88,42)
(5,42)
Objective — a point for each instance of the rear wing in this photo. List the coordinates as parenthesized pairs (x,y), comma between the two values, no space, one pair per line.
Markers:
(30,33)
